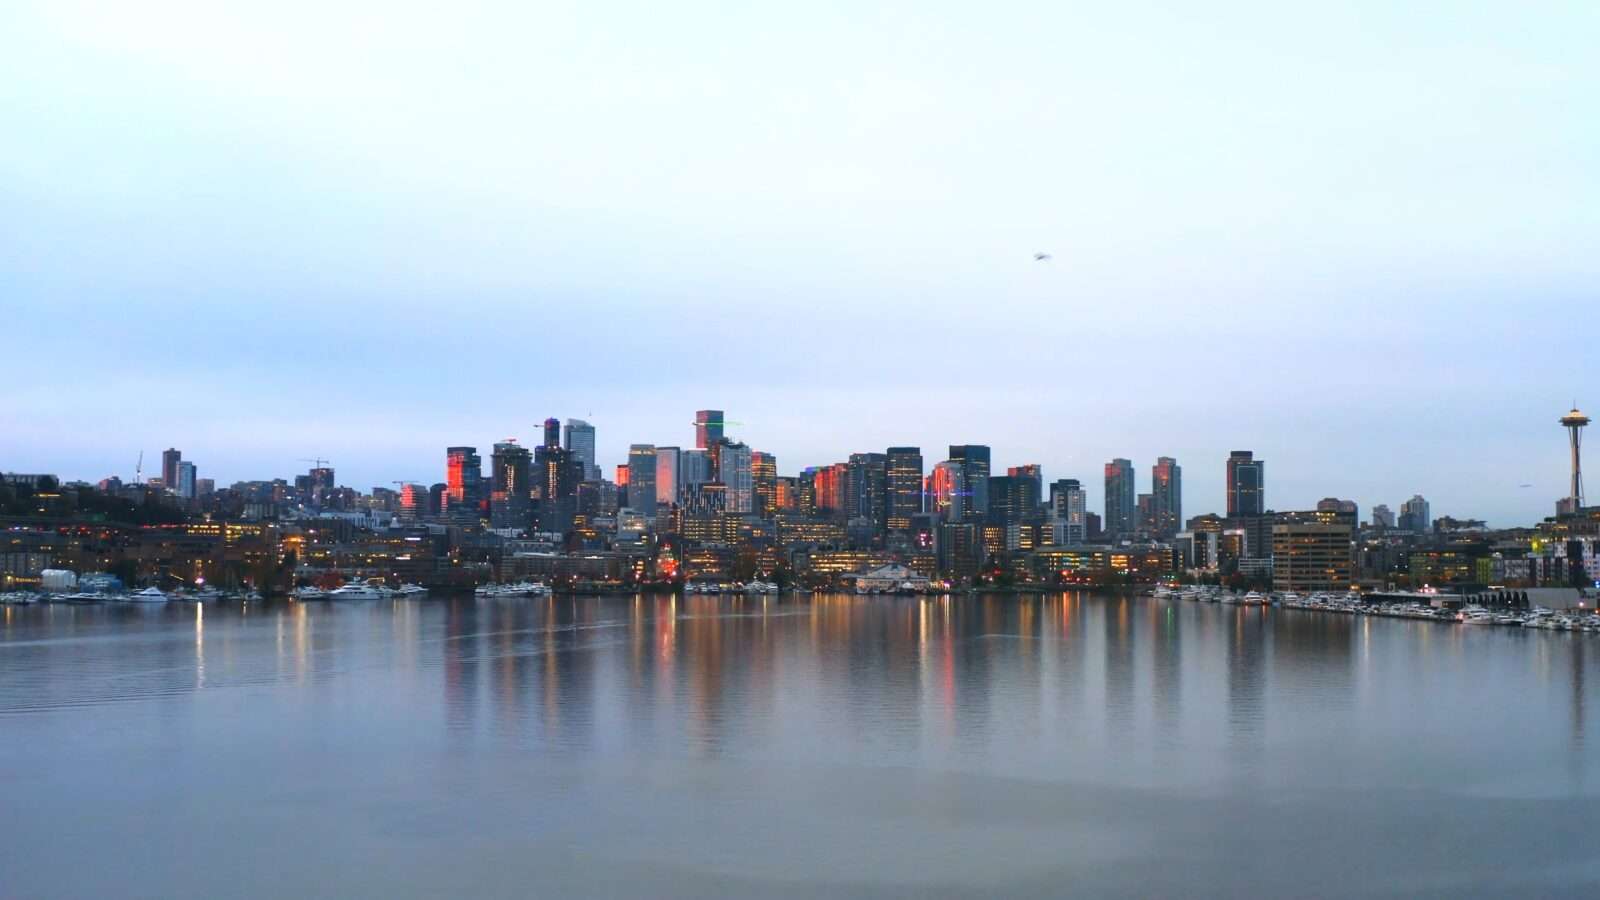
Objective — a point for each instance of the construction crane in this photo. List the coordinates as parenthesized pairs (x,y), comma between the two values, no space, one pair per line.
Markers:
(138,469)
(320,462)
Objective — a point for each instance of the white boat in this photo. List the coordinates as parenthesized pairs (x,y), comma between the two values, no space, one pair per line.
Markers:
(411,590)
(19,597)
(355,592)
(202,596)
(148,595)
(310,593)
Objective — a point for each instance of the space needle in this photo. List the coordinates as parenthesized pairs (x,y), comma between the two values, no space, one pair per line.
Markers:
(1574,422)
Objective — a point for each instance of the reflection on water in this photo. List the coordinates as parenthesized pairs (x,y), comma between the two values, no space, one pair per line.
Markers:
(591,736)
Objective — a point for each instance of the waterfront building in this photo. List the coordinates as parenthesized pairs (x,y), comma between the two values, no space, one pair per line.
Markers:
(1246,485)
(580,442)
(1308,555)
(903,487)
(1121,504)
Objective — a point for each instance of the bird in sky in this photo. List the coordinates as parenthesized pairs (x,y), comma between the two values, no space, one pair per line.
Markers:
(1525,485)
(1041,256)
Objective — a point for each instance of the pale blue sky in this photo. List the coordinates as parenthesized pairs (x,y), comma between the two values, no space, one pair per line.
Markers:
(1358,238)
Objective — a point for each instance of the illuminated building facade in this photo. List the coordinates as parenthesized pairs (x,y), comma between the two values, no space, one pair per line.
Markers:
(764,481)
(903,487)
(641,478)
(580,443)
(463,477)
(1310,556)
(1166,494)
(510,486)
(975,471)
(947,491)
(734,468)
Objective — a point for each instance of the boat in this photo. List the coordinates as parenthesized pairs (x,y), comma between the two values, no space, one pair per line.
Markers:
(310,593)
(19,597)
(411,590)
(148,595)
(355,592)
(202,596)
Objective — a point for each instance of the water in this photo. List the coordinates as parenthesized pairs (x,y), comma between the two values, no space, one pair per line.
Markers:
(837,746)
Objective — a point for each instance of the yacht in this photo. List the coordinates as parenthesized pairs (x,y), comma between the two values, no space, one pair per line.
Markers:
(19,597)
(310,593)
(355,592)
(412,590)
(148,595)
(202,596)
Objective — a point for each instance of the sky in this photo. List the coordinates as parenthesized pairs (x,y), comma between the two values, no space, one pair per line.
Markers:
(1361,239)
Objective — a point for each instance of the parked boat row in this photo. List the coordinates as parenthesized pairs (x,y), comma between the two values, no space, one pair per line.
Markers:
(508,591)
(147,595)
(1348,604)
(371,589)
(712,587)
(1211,594)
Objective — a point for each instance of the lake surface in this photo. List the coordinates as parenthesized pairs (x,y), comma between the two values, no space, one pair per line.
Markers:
(841,746)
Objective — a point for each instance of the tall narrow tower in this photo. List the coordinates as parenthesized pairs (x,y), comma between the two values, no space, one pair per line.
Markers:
(1574,422)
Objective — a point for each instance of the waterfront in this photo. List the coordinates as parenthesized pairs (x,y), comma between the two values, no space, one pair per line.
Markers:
(842,745)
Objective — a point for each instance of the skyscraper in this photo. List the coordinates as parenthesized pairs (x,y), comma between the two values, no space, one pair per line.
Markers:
(903,487)
(463,477)
(552,432)
(1120,498)
(694,469)
(1166,492)
(734,466)
(1069,504)
(764,481)
(866,491)
(1247,484)
(185,486)
(642,478)
(559,475)
(580,440)
(169,468)
(1013,498)
(974,462)
(510,490)
(668,466)
(707,428)
(1415,515)
(947,491)
(1382,516)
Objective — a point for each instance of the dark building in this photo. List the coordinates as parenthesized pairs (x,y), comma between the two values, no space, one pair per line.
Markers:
(974,462)
(903,486)
(552,433)
(1246,484)
(169,468)
(1012,499)
(1166,493)
(559,472)
(1121,502)
(510,489)
(865,500)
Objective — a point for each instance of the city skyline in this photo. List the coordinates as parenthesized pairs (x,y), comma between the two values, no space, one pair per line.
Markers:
(1141,489)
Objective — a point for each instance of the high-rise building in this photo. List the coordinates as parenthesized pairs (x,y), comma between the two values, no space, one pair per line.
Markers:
(668,466)
(510,486)
(974,461)
(580,440)
(1382,516)
(734,468)
(413,501)
(1069,504)
(1012,498)
(829,485)
(552,432)
(559,475)
(1121,502)
(1332,509)
(707,428)
(787,493)
(463,476)
(1247,484)
(764,481)
(642,478)
(947,491)
(1415,515)
(694,468)
(866,492)
(185,486)
(169,468)
(903,486)
(1144,514)
(1166,493)
(1034,471)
